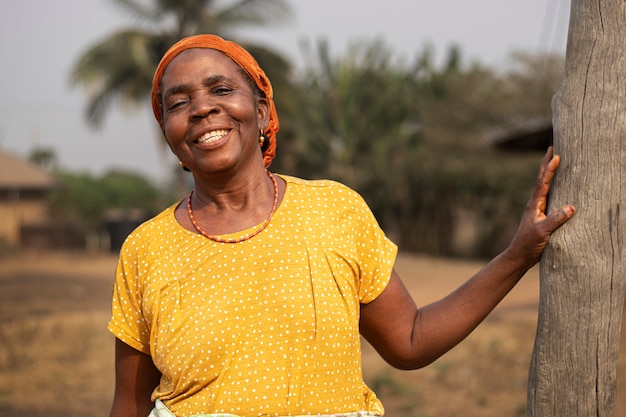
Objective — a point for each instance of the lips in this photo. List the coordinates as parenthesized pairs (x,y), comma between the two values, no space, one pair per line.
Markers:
(212,136)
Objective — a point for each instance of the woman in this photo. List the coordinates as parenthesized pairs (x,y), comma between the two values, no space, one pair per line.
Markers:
(249,297)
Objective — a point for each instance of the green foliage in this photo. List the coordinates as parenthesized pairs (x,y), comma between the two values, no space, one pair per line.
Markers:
(411,140)
(44,158)
(119,68)
(410,137)
(85,198)
(359,124)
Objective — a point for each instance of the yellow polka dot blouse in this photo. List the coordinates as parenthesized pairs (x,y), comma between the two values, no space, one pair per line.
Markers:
(265,327)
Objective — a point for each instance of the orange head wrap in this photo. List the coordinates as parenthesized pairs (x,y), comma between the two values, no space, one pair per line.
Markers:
(243,59)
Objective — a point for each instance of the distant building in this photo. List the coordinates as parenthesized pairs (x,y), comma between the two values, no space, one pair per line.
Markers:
(24,214)
(531,137)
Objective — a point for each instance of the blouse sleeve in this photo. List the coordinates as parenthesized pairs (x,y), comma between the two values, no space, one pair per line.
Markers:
(127,321)
(375,251)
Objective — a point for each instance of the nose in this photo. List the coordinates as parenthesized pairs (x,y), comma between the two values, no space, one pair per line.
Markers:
(202,106)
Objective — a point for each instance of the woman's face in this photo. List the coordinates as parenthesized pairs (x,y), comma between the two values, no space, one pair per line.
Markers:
(211,118)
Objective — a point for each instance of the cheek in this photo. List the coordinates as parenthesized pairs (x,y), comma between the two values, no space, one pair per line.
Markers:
(171,129)
(170,145)
(173,139)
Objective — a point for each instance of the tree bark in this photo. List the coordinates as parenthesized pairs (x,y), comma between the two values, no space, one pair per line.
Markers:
(573,370)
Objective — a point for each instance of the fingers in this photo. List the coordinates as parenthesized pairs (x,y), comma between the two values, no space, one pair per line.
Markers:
(549,166)
(559,217)
(537,226)
(544,163)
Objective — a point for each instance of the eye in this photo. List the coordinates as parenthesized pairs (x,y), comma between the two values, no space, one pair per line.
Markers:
(221,90)
(176,103)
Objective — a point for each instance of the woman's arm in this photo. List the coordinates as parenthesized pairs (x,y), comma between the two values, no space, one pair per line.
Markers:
(410,338)
(135,379)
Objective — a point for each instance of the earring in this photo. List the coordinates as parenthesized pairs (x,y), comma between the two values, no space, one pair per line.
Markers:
(261,139)
(183,167)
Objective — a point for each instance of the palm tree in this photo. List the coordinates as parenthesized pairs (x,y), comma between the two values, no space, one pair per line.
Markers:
(44,158)
(121,65)
(361,126)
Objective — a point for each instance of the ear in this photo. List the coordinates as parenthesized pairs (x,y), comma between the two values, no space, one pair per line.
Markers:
(263,113)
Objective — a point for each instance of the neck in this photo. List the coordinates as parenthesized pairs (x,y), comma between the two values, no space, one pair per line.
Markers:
(233,192)
(233,208)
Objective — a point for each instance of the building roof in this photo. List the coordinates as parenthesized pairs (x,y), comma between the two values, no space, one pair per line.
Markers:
(536,136)
(16,173)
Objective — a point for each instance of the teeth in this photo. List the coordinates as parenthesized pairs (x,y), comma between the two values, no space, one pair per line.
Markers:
(212,136)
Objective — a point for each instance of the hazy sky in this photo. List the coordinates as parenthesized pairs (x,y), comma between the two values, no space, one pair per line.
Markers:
(40,40)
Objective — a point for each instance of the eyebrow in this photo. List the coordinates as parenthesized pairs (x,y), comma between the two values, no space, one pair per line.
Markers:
(182,88)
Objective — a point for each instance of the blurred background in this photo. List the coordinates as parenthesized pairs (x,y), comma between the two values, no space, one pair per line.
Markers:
(438,113)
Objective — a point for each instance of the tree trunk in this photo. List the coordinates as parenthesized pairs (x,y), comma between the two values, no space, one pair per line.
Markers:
(573,370)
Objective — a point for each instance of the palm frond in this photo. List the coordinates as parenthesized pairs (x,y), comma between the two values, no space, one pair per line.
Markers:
(120,66)
(140,10)
(256,12)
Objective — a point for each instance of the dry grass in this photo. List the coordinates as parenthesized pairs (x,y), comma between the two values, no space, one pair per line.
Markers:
(56,357)
(55,354)
(484,376)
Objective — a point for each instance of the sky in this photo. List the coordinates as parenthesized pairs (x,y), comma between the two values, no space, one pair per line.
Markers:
(40,40)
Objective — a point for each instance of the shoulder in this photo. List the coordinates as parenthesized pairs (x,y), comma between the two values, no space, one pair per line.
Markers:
(332,198)
(319,187)
(158,225)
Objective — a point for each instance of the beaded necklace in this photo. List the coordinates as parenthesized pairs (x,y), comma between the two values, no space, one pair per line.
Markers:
(245,237)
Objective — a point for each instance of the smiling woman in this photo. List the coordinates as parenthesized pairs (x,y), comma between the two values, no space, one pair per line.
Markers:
(247,67)
(251,298)
(211,117)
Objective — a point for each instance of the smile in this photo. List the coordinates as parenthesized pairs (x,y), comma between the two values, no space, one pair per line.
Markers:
(212,136)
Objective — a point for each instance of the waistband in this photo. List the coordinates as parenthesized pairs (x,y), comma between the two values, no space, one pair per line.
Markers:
(160,410)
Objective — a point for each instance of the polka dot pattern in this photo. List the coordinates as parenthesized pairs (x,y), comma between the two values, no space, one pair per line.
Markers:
(264,327)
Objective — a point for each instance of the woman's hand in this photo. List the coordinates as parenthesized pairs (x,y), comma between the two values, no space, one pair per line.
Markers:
(536,226)
(409,338)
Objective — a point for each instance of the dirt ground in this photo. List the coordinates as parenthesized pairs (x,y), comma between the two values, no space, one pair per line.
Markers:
(56,357)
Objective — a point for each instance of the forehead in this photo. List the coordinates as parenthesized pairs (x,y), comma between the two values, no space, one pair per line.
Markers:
(201,62)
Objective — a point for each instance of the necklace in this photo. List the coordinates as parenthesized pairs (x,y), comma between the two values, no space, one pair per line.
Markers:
(244,237)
